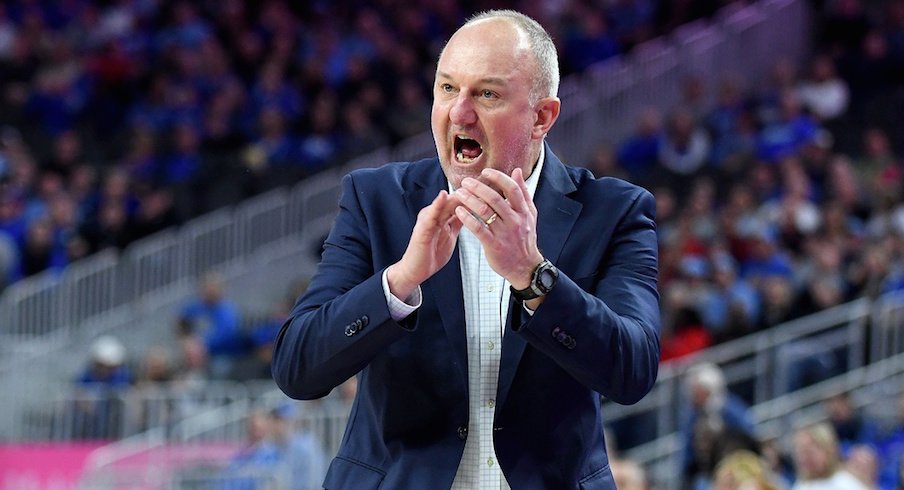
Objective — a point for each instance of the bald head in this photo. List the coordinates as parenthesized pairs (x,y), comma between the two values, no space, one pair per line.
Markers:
(538,43)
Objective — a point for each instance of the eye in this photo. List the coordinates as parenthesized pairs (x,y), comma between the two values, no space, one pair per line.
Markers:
(488,94)
(446,87)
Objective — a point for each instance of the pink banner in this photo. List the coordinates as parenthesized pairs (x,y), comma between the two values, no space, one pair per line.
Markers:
(46,466)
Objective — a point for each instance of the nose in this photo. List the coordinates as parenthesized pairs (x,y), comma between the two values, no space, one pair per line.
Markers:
(462,111)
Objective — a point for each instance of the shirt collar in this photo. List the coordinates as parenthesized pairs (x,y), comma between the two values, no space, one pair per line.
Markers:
(534,178)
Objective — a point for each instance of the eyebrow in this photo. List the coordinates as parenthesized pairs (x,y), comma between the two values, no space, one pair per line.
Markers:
(485,80)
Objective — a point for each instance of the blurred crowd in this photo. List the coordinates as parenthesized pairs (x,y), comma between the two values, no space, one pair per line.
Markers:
(779,199)
(120,118)
(774,200)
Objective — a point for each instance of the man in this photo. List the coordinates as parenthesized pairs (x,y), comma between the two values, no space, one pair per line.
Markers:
(485,299)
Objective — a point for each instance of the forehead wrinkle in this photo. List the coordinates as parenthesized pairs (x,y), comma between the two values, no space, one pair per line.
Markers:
(484,80)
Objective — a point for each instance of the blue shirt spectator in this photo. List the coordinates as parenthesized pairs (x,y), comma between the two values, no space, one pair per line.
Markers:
(787,135)
(639,152)
(215,319)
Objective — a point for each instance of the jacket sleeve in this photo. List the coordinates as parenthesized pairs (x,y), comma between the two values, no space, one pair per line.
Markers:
(605,331)
(342,321)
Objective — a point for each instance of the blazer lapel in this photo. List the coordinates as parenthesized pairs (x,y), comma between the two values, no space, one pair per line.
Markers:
(556,216)
(445,286)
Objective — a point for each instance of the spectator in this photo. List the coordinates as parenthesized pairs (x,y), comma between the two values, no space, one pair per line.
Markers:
(851,426)
(272,155)
(685,147)
(589,40)
(628,474)
(361,135)
(731,307)
(788,133)
(319,148)
(686,336)
(824,94)
(215,320)
(891,448)
(714,413)
(878,169)
(191,376)
(409,118)
(845,25)
(604,163)
(766,259)
(298,448)
(256,464)
(862,463)
(817,461)
(777,293)
(824,283)
(875,272)
(149,403)
(731,125)
(743,470)
(98,411)
(638,154)
(109,228)
(9,260)
(155,212)
(261,336)
(41,250)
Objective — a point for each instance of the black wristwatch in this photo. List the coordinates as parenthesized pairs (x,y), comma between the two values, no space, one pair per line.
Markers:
(542,280)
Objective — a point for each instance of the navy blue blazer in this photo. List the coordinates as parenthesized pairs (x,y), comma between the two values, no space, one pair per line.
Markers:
(596,333)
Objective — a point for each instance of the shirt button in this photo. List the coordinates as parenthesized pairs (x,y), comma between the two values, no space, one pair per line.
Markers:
(490,462)
(491,403)
(491,288)
(491,345)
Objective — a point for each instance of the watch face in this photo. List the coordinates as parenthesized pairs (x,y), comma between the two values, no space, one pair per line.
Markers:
(546,279)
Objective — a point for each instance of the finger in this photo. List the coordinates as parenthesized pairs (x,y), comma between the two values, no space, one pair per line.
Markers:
(442,207)
(478,207)
(518,177)
(506,184)
(473,223)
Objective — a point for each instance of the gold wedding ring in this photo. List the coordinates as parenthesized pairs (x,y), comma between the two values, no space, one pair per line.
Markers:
(491,219)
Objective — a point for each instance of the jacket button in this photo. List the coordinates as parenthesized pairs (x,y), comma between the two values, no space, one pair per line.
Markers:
(349,331)
(462,432)
(364,321)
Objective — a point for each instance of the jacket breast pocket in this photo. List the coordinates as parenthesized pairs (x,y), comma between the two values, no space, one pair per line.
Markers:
(349,474)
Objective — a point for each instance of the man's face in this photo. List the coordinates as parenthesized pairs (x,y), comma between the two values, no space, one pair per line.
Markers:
(482,113)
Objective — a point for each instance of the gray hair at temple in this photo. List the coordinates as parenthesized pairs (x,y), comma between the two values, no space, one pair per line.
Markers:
(546,79)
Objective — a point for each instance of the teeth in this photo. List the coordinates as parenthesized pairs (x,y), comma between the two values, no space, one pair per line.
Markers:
(461,158)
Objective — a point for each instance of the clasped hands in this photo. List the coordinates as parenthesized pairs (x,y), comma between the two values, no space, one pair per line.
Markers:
(505,222)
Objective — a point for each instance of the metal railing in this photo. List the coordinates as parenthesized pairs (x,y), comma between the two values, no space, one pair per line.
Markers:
(869,387)
(200,448)
(99,412)
(760,366)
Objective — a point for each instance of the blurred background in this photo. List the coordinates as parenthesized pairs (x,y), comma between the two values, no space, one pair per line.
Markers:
(168,170)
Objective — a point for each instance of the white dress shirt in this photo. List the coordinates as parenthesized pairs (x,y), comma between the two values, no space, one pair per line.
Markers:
(486,298)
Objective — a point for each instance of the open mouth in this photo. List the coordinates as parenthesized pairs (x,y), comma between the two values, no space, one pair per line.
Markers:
(466,149)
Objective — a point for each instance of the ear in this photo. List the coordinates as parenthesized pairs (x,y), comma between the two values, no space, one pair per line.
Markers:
(546,111)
